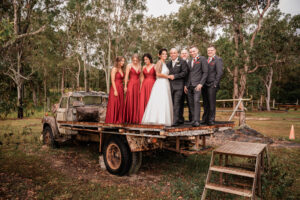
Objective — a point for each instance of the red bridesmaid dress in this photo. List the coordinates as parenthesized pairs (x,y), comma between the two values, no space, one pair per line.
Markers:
(115,105)
(149,79)
(131,109)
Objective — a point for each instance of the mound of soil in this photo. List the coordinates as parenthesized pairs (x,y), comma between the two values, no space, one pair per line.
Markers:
(245,134)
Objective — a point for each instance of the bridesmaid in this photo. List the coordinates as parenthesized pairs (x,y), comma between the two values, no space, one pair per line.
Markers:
(148,78)
(132,89)
(115,105)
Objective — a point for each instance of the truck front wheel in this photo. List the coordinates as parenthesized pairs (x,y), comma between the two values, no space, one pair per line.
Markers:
(117,156)
(48,138)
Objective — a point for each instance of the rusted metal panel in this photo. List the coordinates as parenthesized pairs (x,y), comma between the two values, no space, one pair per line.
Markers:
(141,144)
(88,137)
(49,120)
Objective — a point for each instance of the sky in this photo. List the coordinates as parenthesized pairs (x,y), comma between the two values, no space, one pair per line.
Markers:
(162,7)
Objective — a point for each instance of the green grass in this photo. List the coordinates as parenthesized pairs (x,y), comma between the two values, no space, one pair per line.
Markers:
(28,170)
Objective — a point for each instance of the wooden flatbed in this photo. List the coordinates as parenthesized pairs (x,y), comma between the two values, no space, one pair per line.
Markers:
(168,137)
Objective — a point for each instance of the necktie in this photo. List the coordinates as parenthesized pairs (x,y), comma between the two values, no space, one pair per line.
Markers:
(209,59)
(194,60)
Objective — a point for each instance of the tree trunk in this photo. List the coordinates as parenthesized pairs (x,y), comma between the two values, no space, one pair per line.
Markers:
(45,85)
(62,81)
(78,74)
(268,84)
(34,96)
(107,74)
(85,77)
(19,83)
(20,102)
(235,86)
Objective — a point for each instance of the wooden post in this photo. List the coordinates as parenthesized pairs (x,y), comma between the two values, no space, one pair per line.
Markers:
(208,175)
(252,105)
(221,163)
(100,139)
(197,142)
(273,103)
(203,141)
(177,144)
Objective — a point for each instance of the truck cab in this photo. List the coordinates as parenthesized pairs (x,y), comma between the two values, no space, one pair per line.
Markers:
(74,107)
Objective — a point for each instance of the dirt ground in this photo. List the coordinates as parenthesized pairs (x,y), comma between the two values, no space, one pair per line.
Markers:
(29,170)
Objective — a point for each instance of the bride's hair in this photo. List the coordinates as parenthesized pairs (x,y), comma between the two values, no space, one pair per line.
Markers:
(162,50)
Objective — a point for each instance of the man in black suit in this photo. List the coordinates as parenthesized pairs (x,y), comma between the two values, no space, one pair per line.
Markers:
(184,55)
(209,91)
(193,85)
(178,70)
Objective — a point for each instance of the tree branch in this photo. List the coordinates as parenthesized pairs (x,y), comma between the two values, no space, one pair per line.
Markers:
(230,72)
(261,15)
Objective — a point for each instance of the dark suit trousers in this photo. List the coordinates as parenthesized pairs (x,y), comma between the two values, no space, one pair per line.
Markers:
(209,103)
(181,118)
(176,97)
(194,103)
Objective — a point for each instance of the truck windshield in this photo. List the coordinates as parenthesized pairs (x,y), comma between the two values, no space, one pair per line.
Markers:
(87,100)
(91,100)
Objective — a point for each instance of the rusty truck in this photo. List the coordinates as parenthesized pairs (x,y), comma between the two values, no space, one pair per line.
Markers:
(81,116)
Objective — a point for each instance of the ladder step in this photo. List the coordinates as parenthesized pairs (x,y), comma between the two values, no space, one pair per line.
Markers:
(228,189)
(235,171)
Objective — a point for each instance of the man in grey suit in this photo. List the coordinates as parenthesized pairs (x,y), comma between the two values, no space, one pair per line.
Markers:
(194,83)
(209,90)
(178,70)
(184,55)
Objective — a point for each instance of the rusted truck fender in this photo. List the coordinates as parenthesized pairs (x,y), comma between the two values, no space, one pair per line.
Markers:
(142,143)
(51,122)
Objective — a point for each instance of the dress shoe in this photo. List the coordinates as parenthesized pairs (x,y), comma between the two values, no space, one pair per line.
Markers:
(181,122)
(203,123)
(189,122)
(211,123)
(195,124)
(176,124)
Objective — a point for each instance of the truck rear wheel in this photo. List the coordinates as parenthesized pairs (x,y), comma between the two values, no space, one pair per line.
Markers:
(48,138)
(117,156)
(136,162)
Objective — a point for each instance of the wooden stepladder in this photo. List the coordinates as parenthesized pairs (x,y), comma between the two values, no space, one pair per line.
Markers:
(254,151)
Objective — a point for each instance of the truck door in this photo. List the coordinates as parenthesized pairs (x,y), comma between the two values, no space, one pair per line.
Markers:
(62,113)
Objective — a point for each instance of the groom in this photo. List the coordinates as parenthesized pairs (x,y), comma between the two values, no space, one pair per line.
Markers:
(178,70)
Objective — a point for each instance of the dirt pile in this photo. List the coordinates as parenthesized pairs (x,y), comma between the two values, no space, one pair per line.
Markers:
(245,134)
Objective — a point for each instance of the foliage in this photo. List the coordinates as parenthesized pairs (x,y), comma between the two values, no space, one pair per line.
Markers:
(276,179)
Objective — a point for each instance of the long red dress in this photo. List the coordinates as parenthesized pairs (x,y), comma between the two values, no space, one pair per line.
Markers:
(131,109)
(149,79)
(115,105)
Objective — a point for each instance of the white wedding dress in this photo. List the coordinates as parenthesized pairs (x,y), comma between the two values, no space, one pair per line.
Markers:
(159,109)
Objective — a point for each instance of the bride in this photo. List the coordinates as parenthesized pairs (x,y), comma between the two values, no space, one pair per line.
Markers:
(159,109)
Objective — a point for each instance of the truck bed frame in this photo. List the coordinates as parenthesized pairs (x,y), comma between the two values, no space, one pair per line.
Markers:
(164,135)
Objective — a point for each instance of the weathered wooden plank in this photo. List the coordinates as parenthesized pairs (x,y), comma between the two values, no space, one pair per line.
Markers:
(228,189)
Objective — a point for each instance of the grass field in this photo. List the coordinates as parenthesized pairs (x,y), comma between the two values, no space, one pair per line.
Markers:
(29,170)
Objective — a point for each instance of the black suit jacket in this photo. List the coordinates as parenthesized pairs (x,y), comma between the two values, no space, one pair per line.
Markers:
(198,73)
(180,70)
(215,72)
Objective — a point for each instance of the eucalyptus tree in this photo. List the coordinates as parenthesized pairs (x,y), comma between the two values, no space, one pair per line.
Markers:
(118,24)
(274,48)
(23,15)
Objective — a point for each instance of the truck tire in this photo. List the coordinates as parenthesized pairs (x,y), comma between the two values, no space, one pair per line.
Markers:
(136,162)
(48,138)
(117,156)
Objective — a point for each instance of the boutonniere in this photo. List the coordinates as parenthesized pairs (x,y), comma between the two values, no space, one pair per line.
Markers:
(197,62)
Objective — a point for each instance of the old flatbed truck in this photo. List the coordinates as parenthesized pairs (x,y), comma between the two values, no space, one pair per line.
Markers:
(80,116)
